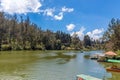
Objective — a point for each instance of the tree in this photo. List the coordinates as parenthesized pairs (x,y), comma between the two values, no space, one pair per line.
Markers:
(112,35)
(58,44)
(64,38)
(49,40)
(87,41)
(2,30)
(76,43)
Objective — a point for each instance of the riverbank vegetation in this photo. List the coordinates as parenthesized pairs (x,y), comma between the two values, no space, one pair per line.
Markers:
(18,33)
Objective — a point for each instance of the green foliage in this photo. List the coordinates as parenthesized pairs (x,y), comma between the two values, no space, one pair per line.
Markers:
(5,47)
(76,43)
(112,35)
(64,38)
(87,41)
(63,47)
(58,44)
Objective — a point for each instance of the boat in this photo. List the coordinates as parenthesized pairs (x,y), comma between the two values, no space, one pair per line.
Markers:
(86,77)
(113,68)
(97,57)
(113,61)
(94,57)
(102,59)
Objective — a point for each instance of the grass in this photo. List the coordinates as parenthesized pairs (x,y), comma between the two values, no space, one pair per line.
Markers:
(118,52)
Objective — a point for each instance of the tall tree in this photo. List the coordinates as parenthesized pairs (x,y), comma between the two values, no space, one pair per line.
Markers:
(63,37)
(112,35)
(2,30)
(87,41)
(76,43)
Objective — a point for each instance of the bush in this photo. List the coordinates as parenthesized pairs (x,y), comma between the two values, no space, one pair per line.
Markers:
(6,47)
(63,47)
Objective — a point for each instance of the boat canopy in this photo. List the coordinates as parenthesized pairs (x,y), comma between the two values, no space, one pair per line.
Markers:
(113,61)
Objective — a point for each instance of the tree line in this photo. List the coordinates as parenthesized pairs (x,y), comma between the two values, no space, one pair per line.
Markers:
(22,34)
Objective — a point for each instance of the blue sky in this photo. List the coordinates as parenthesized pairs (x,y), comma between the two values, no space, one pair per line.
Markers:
(82,17)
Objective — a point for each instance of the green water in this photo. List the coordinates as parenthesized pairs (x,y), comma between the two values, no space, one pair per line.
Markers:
(50,65)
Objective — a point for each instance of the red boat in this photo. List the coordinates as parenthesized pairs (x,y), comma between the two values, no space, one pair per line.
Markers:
(113,68)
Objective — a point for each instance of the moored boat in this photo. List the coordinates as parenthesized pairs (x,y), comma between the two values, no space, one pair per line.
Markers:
(113,68)
(94,57)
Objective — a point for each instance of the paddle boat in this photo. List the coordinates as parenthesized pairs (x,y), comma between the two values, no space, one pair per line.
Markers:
(86,77)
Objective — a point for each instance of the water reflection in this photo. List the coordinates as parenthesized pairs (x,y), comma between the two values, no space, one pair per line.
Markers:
(50,65)
(12,64)
(61,56)
(111,75)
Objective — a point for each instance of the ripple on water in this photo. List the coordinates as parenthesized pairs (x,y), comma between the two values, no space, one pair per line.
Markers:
(9,77)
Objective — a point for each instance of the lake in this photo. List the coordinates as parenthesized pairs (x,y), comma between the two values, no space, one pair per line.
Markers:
(51,65)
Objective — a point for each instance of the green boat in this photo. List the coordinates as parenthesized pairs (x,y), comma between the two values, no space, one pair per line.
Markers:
(113,61)
(86,77)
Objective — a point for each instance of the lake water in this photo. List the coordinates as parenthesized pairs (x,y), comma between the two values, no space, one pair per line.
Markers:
(51,65)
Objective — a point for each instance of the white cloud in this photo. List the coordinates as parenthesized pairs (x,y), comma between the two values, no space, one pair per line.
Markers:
(64,9)
(48,12)
(95,34)
(20,6)
(26,6)
(80,33)
(51,12)
(70,27)
(59,16)
(97,31)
